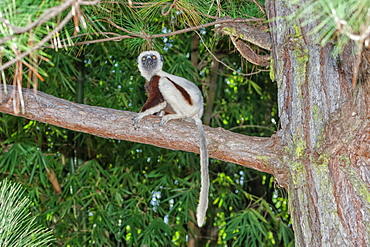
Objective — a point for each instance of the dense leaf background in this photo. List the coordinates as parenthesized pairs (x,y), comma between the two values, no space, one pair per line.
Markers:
(116,193)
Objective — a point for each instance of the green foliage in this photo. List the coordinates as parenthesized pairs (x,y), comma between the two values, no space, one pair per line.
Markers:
(98,192)
(17,226)
(16,16)
(337,21)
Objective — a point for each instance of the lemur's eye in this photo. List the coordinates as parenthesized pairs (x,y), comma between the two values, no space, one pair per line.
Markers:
(143,58)
(154,57)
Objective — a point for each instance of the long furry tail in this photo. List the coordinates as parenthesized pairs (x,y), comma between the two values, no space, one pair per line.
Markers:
(204,189)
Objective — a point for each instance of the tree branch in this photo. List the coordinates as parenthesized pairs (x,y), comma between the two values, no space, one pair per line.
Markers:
(254,152)
(119,37)
(251,34)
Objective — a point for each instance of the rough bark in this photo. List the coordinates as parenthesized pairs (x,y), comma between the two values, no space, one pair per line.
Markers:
(326,131)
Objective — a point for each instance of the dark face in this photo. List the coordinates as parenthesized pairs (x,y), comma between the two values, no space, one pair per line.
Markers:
(150,61)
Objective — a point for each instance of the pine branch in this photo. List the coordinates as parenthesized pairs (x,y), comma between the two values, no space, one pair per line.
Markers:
(40,44)
(17,226)
(46,16)
(130,34)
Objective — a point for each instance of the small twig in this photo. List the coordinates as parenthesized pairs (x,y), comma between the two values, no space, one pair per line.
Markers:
(120,28)
(199,27)
(208,16)
(2,78)
(360,39)
(133,35)
(47,15)
(259,6)
(6,22)
(34,70)
(5,39)
(40,44)
(136,35)
(132,4)
(357,66)
(92,2)
(223,62)
(219,8)
(105,34)
(171,6)
(118,38)
(17,82)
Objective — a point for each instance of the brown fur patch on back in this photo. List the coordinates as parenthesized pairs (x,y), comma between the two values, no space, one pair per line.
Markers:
(182,91)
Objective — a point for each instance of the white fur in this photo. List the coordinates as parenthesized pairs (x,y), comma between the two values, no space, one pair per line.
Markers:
(170,93)
(149,111)
(174,97)
(145,73)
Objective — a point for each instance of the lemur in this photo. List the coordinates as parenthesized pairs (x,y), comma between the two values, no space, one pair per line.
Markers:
(178,98)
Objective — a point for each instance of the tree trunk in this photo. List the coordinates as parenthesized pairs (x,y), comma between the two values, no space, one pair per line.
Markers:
(326,133)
